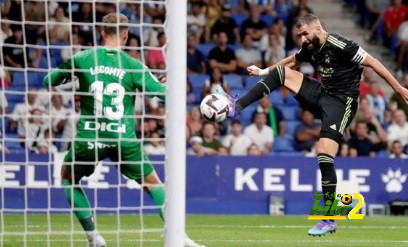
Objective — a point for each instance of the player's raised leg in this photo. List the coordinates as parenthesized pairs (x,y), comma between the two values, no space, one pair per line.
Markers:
(77,198)
(279,76)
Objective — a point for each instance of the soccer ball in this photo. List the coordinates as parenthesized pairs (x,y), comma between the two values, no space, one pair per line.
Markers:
(214,108)
(346,199)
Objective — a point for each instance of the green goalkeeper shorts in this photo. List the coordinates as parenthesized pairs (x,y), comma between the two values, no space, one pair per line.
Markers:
(128,157)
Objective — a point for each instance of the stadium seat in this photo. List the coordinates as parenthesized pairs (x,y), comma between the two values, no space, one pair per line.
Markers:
(198,80)
(246,114)
(18,78)
(267,19)
(250,81)
(290,113)
(234,46)
(16,98)
(291,101)
(239,19)
(291,127)
(205,49)
(276,98)
(234,81)
(283,144)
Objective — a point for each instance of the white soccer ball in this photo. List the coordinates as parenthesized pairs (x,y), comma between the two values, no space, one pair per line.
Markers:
(214,107)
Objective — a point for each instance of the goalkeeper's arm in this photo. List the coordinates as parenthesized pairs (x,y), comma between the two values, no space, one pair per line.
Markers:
(59,75)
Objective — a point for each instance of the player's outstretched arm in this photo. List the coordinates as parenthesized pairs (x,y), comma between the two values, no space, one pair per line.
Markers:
(289,61)
(377,66)
(59,75)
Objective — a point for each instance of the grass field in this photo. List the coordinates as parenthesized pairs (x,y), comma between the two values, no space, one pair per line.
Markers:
(210,230)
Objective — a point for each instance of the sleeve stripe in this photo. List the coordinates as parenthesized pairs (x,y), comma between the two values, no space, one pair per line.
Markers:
(336,42)
(360,55)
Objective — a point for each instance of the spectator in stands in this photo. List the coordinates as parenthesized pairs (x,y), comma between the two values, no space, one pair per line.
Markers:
(222,57)
(378,102)
(194,121)
(366,80)
(69,51)
(133,47)
(156,146)
(5,31)
(156,10)
(14,56)
(265,7)
(11,9)
(133,12)
(256,28)
(260,133)
(360,144)
(274,116)
(278,27)
(398,130)
(35,129)
(376,132)
(222,151)
(160,112)
(34,12)
(196,146)
(297,10)
(71,124)
(58,114)
(393,17)
(3,104)
(275,51)
(247,55)
(402,47)
(227,25)
(191,98)
(195,58)
(401,104)
(151,34)
(237,142)
(46,145)
(375,10)
(85,31)
(253,150)
(155,58)
(59,32)
(209,140)
(343,150)
(3,148)
(21,111)
(5,77)
(196,20)
(307,132)
(282,8)
(216,78)
(397,151)
(212,10)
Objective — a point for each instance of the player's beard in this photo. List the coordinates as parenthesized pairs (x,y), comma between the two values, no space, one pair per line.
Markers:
(314,44)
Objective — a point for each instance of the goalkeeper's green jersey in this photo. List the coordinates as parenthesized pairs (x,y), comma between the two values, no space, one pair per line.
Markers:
(108,80)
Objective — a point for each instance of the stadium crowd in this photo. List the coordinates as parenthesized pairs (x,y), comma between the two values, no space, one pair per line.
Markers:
(224,37)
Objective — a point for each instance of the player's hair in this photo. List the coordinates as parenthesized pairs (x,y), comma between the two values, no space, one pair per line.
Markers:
(306,20)
(110,20)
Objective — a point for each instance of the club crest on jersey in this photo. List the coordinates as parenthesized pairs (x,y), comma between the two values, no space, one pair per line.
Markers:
(109,127)
(327,59)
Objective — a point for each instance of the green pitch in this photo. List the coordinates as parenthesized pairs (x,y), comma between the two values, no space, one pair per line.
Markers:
(210,230)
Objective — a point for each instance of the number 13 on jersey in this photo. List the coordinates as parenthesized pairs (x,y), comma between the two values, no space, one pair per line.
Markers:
(117,91)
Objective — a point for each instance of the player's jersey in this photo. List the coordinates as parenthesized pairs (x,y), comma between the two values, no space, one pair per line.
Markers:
(338,61)
(108,80)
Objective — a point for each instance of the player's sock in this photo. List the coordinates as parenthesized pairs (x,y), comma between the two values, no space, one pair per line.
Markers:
(80,201)
(329,177)
(265,86)
(158,195)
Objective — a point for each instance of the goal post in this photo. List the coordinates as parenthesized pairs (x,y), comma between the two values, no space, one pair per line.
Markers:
(176,123)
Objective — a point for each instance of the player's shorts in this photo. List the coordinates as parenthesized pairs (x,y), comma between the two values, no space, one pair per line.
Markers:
(129,158)
(335,110)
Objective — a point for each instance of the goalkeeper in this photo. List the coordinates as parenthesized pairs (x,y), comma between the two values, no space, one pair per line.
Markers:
(108,78)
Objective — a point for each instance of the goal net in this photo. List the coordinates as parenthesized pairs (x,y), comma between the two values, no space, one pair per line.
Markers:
(39,123)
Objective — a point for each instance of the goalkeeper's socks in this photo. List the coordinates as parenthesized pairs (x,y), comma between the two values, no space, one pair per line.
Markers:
(264,87)
(77,198)
(158,195)
(329,177)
